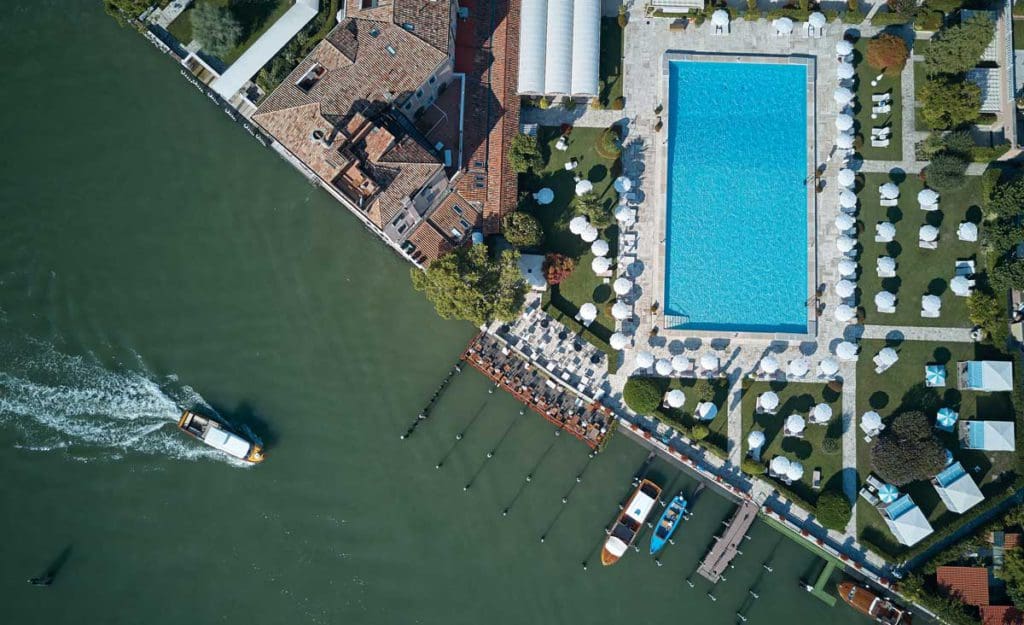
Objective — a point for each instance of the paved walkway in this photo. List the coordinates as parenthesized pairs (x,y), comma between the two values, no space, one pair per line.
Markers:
(580,116)
(908,333)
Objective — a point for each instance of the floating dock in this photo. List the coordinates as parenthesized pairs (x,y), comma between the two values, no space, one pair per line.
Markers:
(726,547)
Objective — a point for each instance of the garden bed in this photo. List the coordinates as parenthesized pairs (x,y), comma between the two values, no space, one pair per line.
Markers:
(865,74)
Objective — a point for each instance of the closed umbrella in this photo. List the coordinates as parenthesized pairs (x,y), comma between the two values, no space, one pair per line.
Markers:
(769,364)
(886,264)
(847,199)
(847,350)
(755,439)
(600,265)
(663,366)
(967,231)
(828,366)
(845,244)
(931,303)
(847,268)
(799,367)
(842,96)
(845,288)
(589,234)
(927,197)
(885,229)
(780,465)
(675,398)
(706,411)
(599,247)
(621,286)
(845,71)
(768,400)
(870,422)
(928,233)
(621,311)
(845,222)
(885,299)
(783,25)
(680,363)
(960,285)
(544,196)
(888,356)
(844,122)
(795,471)
(709,362)
(588,312)
(618,340)
(888,493)
(844,313)
(578,224)
(846,177)
(889,191)
(844,141)
(817,19)
(584,186)
(795,424)
(844,47)
(644,359)
(946,417)
(822,412)
(720,18)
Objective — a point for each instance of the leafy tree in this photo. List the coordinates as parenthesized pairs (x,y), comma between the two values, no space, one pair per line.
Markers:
(830,445)
(466,284)
(906,8)
(1007,200)
(524,154)
(522,229)
(642,395)
(888,52)
(123,10)
(1008,274)
(702,390)
(956,49)
(557,267)
(959,142)
(1013,574)
(950,102)
(946,171)
(609,143)
(216,28)
(752,467)
(908,450)
(833,510)
(912,586)
(699,432)
(987,312)
(591,206)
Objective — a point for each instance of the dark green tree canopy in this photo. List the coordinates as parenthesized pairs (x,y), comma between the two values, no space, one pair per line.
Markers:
(466,284)
(642,395)
(908,450)
(524,154)
(590,206)
(946,171)
(215,27)
(956,49)
(522,229)
(950,102)
(833,510)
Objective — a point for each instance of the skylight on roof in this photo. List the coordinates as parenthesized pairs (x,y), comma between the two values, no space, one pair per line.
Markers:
(409,26)
(374,31)
(391,50)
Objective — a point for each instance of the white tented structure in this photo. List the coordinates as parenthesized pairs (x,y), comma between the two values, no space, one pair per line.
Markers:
(559,47)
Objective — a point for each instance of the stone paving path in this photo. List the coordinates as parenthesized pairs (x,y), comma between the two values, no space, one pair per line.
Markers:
(908,333)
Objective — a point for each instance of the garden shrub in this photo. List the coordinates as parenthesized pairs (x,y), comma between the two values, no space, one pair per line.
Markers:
(853,6)
(906,8)
(885,18)
(888,53)
(958,48)
(216,28)
(699,432)
(522,229)
(752,467)
(908,450)
(989,182)
(946,6)
(642,395)
(852,17)
(930,21)
(618,103)
(590,206)
(703,391)
(524,154)
(946,171)
(831,445)
(543,103)
(988,313)
(833,510)
(608,143)
(949,102)
(557,267)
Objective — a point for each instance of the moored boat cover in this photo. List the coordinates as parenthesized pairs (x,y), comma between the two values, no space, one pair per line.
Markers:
(615,546)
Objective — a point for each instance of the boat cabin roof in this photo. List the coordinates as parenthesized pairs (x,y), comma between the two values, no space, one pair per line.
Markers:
(227,442)
(640,506)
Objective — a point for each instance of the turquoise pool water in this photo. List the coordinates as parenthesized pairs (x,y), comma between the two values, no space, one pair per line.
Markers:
(736,240)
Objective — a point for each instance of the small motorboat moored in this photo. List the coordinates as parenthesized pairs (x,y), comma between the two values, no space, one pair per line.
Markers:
(881,610)
(630,521)
(220,437)
(670,519)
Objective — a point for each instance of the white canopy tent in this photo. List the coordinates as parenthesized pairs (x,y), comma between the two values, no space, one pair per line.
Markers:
(755,439)
(795,471)
(845,244)
(928,232)
(589,234)
(768,400)
(931,303)
(844,141)
(623,184)
(680,363)
(822,413)
(720,18)
(625,215)
(783,25)
(842,95)
(886,264)
(885,299)
(967,231)
(957,489)
(960,285)
(845,222)
(885,229)
(927,197)
(847,199)
(779,465)
(795,424)
(987,435)
(578,224)
(559,45)
(888,356)
(817,19)
(844,47)
(847,268)
(987,375)
(871,422)
(709,362)
(844,122)
(706,411)
(845,71)
(910,525)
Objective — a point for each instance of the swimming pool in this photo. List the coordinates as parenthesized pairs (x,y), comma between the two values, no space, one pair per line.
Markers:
(736,254)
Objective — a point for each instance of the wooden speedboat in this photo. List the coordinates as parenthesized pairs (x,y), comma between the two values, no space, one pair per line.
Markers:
(867,602)
(630,521)
(220,437)
(667,524)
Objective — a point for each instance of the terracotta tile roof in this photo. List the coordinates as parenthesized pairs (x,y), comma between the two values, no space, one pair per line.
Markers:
(430,243)
(453,213)
(1001,615)
(1011,540)
(968,583)
(430,20)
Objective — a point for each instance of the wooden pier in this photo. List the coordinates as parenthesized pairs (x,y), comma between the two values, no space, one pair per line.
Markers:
(726,547)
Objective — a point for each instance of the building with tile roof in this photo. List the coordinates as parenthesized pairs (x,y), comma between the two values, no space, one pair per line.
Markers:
(969,584)
(1001,615)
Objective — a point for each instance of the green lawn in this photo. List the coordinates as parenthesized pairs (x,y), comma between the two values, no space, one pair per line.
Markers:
(918,271)
(718,427)
(255,17)
(181,27)
(798,397)
(919,78)
(865,74)
(582,285)
(610,67)
(1018,34)
(902,388)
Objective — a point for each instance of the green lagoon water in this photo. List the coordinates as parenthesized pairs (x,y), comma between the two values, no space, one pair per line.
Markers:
(152,254)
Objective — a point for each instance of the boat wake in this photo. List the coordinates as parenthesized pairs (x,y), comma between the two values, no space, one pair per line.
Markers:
(77,404)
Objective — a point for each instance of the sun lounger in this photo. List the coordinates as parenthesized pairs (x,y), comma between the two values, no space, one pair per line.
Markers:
(929,207)
(884,274)
(930,314)
(928,245)
(887,309)
(881,97)
(882,131)
(816,479)
(885,109)
(869,497)
(879,143)
(887,202)
(964,268)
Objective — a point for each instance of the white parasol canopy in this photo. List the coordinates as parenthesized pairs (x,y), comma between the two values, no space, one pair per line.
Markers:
(624,215)
(769,364)
(846,177)
(621,311)
(600,265)
(828,366)
(931,303)
(927,197)
(847,199)
(578,224)
(845,288)
(799,367)
(768,400)
(644,359)
(544,196)
(584,186)
(845,222)
(888,356)
(783,25)
(709,362)
(795,424)
(621,286)
(589,234)
(844,141)
(842,95)
(599,247)
(928,233)
(844,47)
(720,18)
(885,299)
(822,413)
(847,350)
(844,313)
(817,19)
(680,363)
(885,229)
(623,184)
(795,471)
(706,411)
(663,366)
(967,231)
(675,398)
(845,71)
(755,439)
(847,268)
(889,191)
(588,312)
(844,122)
(618,340)
(844,244)
(886,264)
(871,421)
(960,285)
(780,465)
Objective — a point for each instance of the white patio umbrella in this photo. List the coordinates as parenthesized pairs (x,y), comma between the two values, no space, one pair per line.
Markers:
(584,186)
(644,359)
(768,400)
(799,367)
(888,356)
(927,197)
(960,285)
(885,229)
(817,19)
(663,366)
(885,299)
(780,465)
(870,421)
(588,312)
(845,71)
(844,313)
(795,424)
(844,244)
(889,191)
(589,234)
(599,247)
(844,47)
(845,288)
(578,224)
(618,340)
(822,412)
(720,18)
(621,311)
(844,141)
(847,268)
(706,411)
(544,196)
(842,96)
(769,364)
(846,177)
(709,362)
(624,214)
(795,471)
(783,25)
(845,222)
(755,439)
(680,363)
(623,184)
(621,286)
(847,350)
(931,303)
(600,265)
(886,264)
(928,233)
(675,398)
(967,231)
(847,199)
(828,366)
(844,122)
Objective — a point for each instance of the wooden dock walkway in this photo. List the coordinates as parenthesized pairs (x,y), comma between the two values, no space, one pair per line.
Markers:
(726,547)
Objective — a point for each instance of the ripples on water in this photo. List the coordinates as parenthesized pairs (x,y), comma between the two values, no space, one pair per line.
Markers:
(78,404)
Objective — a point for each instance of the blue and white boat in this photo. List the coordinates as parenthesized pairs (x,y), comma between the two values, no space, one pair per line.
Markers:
(670,518)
